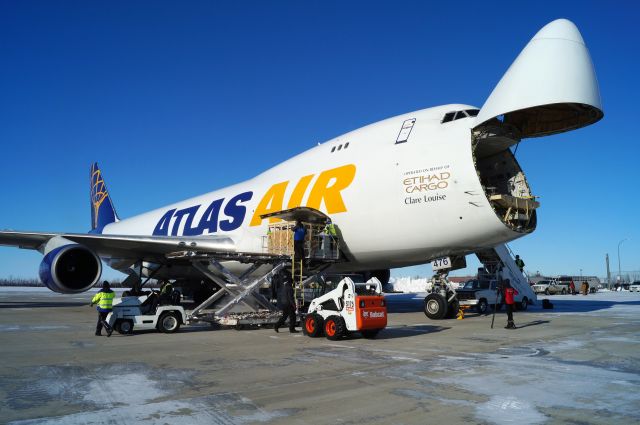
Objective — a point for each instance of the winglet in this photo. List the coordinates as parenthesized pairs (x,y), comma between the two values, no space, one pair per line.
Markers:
(102,210)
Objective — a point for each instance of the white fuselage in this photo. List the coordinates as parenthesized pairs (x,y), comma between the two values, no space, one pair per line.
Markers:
(395,204)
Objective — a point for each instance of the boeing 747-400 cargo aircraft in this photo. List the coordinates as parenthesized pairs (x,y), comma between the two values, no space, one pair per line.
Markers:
(446,176)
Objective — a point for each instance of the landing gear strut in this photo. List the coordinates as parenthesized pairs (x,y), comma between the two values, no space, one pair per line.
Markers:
(441,302)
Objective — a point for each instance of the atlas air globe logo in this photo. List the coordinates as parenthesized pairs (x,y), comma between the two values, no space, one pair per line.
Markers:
(229,214)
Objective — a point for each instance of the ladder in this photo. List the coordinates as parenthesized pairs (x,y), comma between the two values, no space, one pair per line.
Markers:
(500,262)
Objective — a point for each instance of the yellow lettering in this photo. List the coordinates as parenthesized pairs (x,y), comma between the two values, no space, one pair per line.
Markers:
(328,187)
(299,191)
(271,202)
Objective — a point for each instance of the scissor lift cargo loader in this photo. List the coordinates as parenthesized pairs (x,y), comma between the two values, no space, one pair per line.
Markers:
(240,290)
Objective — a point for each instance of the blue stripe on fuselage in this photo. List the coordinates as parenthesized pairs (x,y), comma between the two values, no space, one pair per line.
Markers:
(234,215)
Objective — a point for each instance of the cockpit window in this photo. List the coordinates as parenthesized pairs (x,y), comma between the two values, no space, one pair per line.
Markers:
(456,115)
(472,112)
(448,117)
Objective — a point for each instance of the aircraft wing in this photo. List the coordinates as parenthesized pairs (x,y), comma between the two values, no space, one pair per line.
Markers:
(148,248)
(26,240)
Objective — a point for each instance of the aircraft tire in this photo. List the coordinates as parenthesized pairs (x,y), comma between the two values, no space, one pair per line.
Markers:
(313,325)
(435,307)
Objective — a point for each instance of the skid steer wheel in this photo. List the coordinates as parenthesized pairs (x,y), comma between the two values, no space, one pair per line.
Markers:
(168,323)
(370,333)
(435,306)
(313,325)
(334,327)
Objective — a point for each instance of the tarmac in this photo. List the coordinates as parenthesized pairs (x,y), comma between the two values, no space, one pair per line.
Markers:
(576,364)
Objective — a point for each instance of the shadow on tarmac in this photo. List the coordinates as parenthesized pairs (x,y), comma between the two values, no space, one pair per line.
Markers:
(534,323)
(408,331)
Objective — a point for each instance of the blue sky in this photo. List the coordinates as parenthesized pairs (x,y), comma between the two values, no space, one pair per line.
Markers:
(175,99)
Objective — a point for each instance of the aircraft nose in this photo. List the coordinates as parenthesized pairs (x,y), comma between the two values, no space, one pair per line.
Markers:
(562,29)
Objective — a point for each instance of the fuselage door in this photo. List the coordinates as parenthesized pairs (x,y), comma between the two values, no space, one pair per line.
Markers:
(550,88)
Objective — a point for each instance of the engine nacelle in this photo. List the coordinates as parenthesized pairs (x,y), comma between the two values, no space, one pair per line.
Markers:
(70,269)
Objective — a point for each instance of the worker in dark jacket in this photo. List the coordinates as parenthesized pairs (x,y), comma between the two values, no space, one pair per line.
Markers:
(286,303)
(509,293)
(299,233)
(166,291)
(519,263)
(104,300)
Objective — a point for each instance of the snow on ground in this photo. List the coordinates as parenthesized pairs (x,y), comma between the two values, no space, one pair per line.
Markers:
(136,393)
(407,284)
(523,383)
(617,304)
(43,289)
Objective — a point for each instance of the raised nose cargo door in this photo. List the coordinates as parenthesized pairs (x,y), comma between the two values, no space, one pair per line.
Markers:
(551,87)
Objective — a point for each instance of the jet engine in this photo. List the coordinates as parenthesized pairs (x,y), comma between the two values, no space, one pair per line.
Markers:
(70,269)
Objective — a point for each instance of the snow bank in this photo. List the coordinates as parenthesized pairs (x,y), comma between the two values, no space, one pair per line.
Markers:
(407,284)
(410,284)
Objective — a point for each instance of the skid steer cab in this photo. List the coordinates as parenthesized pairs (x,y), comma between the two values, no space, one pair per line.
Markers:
(348,308)
(146,311)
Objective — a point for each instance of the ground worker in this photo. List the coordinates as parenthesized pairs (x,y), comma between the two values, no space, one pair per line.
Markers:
(104,300)
(166,289)
(328,238)
(299,233)
(519,263)
(286,303)
(572,287)
(509,293)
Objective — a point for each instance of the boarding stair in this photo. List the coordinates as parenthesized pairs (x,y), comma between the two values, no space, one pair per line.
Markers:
(499,261)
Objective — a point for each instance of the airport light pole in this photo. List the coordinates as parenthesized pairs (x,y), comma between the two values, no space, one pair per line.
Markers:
(619,270)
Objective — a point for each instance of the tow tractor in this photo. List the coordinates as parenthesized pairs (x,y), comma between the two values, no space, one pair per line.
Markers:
(348,308)
(144,312)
